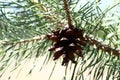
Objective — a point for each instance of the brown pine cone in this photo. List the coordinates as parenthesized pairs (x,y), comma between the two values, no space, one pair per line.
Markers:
(66,42)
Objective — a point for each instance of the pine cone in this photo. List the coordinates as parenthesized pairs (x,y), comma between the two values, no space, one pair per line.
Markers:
(66,42)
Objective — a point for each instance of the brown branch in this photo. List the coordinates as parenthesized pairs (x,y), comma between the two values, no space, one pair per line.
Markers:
(36,38)
(101,46)
(67,13)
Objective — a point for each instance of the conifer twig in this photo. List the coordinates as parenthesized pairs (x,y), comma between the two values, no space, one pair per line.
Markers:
(67,13)
(101,46)
(36,38)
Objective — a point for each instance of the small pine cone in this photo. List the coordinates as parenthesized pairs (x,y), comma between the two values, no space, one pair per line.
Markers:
(66,42)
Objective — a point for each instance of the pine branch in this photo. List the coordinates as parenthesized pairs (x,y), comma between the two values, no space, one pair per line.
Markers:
(36,38)
(101,46)
(67,13)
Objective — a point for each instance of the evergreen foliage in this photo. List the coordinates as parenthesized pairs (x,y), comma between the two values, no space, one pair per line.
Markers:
(24,25)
